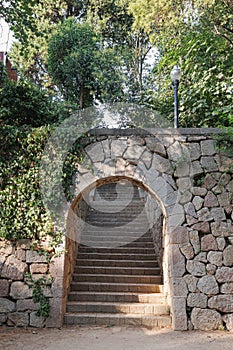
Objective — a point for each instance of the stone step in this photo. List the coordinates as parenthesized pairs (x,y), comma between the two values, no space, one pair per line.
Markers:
(146,279)
(126,297)
(115,287)
(119,263)
(117,320)
(117,307)
(116,256)
(123,250)
(113,240)
(117,270)
(134,244)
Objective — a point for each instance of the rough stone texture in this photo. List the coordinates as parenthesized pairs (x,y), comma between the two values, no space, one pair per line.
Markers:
(13,268)
(194,240)
(211,269)
(3,318)
(177,262)
(34,257)
(208,285)
(228,319)
(209,164)
(6,305)
(38,268)
(202,227)
(26,304)
(215,258)
(20,290)
(196,268)
(36,321)
(4,288)
(202,257)
(187,250)
(205,215)
(218,214)
(197,300)
(179,319)
(178,235)
(19,319)
(222,303)
(205,320)
(208,243)
(221,243)
(226,288)
(178,287)
(224,274)
(199,191)
(210,200)
(155,146)
(222,229)
(198,202)
(191,282)
(95,152)
(228,256)
(207,148)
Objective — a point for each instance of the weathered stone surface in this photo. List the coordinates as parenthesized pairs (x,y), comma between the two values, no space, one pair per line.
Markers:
(197,300)
(6,248)
(36,321)
(182,168)
(209,164)
(228,319)
(3,318)
(228,256)
(155,146)
(208,285)
(209,182)
(208,243)
(187,250)
(177,262)
(14,268)
(191,220)
(205,320)
(186,197)
(224,199)
(95,152)
(20,254)
(178,287)
(211,269)
(19,319)
(207,148)
(196,168)
(224,274)
(106,148)
(202,227)
(221,243)
(196,268)
(194,240)
(133,153)
(20,290)
(161,164)
(211,200)
(184,184)
(55,318)
(146,158)
(202,257)
(118,147)
(198,202)
(34,257)
(218,214)
(4,288)
(199,191)
(215,258)
(225,179)
(204,214)
(194,150)
(174,151)
(26,304)
(191,282)
(136,140)
(190,210)
(6,305)
(222,303)
(38,268)
(226,288)
(178,235)
(179,319)
(222,229)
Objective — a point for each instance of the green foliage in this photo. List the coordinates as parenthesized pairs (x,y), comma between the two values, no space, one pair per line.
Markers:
(38,296)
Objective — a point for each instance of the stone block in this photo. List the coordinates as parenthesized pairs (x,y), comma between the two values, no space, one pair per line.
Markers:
(228,319)
(118,147)
(215,258)
(3,318)
(36,321)
(184,184)
(208,243)
(204,214)
(202,227)
(208,285)
(177,262)
(185,197)
(222,303)
(161,164)
(6,248)
(146,158)
(20,254)
(202,257)
(95,152)
(191,282)
(178,235)
(211,200)
(19,319)
(56,266)
(198,202)
(154,145)
(133,153)
(228,256)
(34,257)
(197,300)
(209,164)
(224,274)
(221,229)
(196,268)
(14,268)
(221,243)
(190,210)
(187,250)
(38,268)
(26,304)
(205,320)
(211,269)
(194,150)
(178,287)
(207,148)
(6,305)
(218,214)
(23,243)
(179,315)
(226,288)
(55,319)
(199,191)
(4,288)
(20,290)
(194,240)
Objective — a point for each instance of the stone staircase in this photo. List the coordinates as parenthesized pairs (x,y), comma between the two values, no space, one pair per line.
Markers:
(117,279)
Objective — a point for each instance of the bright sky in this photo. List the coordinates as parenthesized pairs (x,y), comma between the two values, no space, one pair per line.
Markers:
(6,36)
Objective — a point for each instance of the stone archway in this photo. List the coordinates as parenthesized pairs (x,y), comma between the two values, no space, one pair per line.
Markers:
(152,170)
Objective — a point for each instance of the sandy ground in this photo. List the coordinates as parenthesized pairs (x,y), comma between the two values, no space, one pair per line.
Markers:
(112,338)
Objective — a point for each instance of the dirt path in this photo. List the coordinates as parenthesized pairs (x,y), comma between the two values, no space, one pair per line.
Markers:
(112,338)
